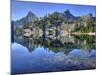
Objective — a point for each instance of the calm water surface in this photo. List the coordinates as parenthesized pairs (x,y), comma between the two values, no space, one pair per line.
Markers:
(45,54)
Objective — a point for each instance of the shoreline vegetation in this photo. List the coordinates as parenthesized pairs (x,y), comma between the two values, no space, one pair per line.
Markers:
(78,33)
(54,25)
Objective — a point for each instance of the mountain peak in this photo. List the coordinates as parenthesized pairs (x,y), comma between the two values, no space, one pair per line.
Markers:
(31,16)
(30,13)
(90,14)
(68,16)
(67,12)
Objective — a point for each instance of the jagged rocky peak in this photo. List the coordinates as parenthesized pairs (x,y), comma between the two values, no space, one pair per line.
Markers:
(68,16)
(90,14)
(67,12)
(30,13)
(31,16)
(87,17)
(28,19)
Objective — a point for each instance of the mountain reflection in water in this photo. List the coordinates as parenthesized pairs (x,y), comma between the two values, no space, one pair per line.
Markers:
(45,54)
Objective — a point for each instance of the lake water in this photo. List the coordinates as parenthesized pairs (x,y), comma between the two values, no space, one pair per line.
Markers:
(44,54)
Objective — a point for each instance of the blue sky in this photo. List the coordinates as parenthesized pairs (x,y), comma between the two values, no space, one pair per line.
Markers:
(20,9)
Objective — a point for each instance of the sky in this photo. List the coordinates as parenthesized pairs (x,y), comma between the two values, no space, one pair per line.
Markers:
(40,9)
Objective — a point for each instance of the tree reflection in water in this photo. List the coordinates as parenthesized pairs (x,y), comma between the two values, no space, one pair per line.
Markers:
(58,42)
(48,53)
